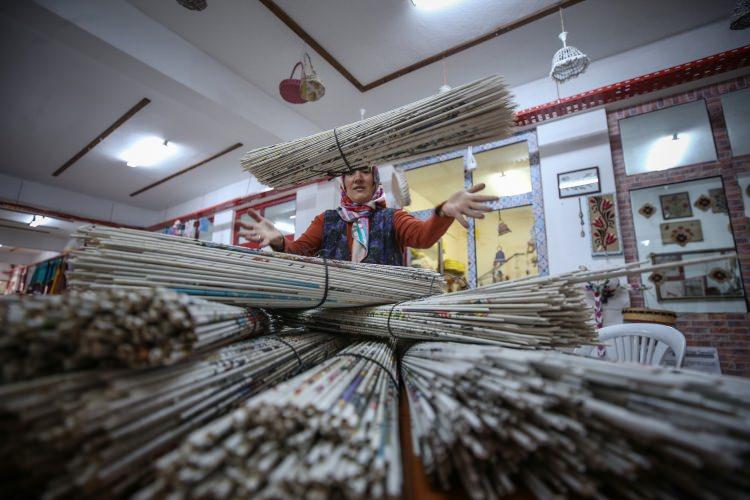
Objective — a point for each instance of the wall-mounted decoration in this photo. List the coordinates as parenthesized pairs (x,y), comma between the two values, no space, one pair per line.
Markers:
(578,182)
(675,206)
(703,203)
(647,210)
(719,199)
(710,280)
(580,216)
(681,233)
(603,224)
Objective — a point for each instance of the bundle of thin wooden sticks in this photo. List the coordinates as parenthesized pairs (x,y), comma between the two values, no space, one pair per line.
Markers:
(132,259)
(97,433)
(45,334)
(533,313)
(331,432)
(566,426)
(469,114)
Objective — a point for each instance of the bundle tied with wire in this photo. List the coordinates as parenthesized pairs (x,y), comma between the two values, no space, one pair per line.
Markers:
(133,260)
(530,313)
(112,328)
(565,426)
(466,115)
(97,433)
(330,432)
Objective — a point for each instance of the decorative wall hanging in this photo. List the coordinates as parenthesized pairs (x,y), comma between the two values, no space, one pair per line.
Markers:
(647,210)
(699,281)
(578,182)
(311,86)
(703,203)
(719,199)
(290,87)
(568,62)
(681,233)
(580,216)
(675,206)
(603,224)
(656,277)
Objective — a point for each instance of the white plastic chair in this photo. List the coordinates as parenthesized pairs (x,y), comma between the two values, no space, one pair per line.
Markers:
(643,343)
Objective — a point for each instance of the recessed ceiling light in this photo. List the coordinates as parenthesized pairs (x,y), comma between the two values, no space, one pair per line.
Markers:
(432,4)
(37,220)
(148,152)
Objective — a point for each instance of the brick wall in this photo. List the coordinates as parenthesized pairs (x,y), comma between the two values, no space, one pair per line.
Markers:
(728,333)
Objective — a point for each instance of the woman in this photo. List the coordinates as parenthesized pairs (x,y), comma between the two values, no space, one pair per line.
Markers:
(362,229)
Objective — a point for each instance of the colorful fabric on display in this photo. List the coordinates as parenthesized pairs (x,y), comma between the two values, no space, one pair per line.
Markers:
(359,214)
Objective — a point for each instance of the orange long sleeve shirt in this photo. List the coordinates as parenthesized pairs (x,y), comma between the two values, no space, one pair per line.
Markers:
(410,232)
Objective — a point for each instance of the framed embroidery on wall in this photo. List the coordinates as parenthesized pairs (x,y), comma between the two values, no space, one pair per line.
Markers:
(681,233)
(675,206)
(604,225)
(709,280)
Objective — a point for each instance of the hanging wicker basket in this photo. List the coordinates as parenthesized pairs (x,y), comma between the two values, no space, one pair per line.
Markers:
(311,86)
(290,87)
(568,62)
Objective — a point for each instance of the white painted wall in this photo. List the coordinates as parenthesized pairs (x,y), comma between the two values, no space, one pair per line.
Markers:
(222,232)
(313,200)
(580,141)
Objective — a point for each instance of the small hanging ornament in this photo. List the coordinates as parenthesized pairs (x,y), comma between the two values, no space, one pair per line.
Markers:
(311,86)
(470,162)
(568,62)
(580,216)
(502,227)
(741,16)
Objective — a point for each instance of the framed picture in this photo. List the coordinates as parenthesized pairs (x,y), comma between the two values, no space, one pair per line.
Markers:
(681,233)
(675,206)
(715,280)
(578,182)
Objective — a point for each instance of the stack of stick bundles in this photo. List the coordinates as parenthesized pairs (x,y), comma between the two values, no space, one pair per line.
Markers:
(562,425)
(111,328)
(133,259)
(98,432)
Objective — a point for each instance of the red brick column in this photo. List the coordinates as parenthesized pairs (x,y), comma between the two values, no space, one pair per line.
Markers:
(728,333)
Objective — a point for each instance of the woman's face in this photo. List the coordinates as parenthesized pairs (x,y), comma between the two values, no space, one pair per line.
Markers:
(360,185)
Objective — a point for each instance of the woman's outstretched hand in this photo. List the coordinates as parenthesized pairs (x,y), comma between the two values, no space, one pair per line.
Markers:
(262,231)
(465,203)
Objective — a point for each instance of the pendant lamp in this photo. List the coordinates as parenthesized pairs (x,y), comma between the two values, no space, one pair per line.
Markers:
(741,16)
(568,62)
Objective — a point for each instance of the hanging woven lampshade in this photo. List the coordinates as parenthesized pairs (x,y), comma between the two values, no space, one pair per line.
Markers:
(741,15)
(568,62)
(193,4)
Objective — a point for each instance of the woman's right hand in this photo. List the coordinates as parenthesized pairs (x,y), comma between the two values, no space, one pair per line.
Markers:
(262,231)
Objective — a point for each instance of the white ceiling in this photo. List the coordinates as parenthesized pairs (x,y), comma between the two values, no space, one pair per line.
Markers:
(62,85)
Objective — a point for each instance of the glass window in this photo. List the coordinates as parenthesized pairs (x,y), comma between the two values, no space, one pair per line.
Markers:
(506,171)
(683,221)
(282,216)
(431,185)
(668,138)
(736,107)
(505,244)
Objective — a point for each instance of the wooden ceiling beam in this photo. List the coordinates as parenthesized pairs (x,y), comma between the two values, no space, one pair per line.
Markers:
(364,87)
(117,124)
(186,170)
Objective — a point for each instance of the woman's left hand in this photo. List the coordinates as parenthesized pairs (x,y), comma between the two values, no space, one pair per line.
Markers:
(465,203)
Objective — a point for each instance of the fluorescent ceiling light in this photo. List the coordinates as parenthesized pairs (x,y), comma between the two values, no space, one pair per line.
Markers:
(148,152)
(432,4)
(37,220)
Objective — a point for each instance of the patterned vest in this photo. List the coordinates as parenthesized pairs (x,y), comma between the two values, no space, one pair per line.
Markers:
(382,243)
